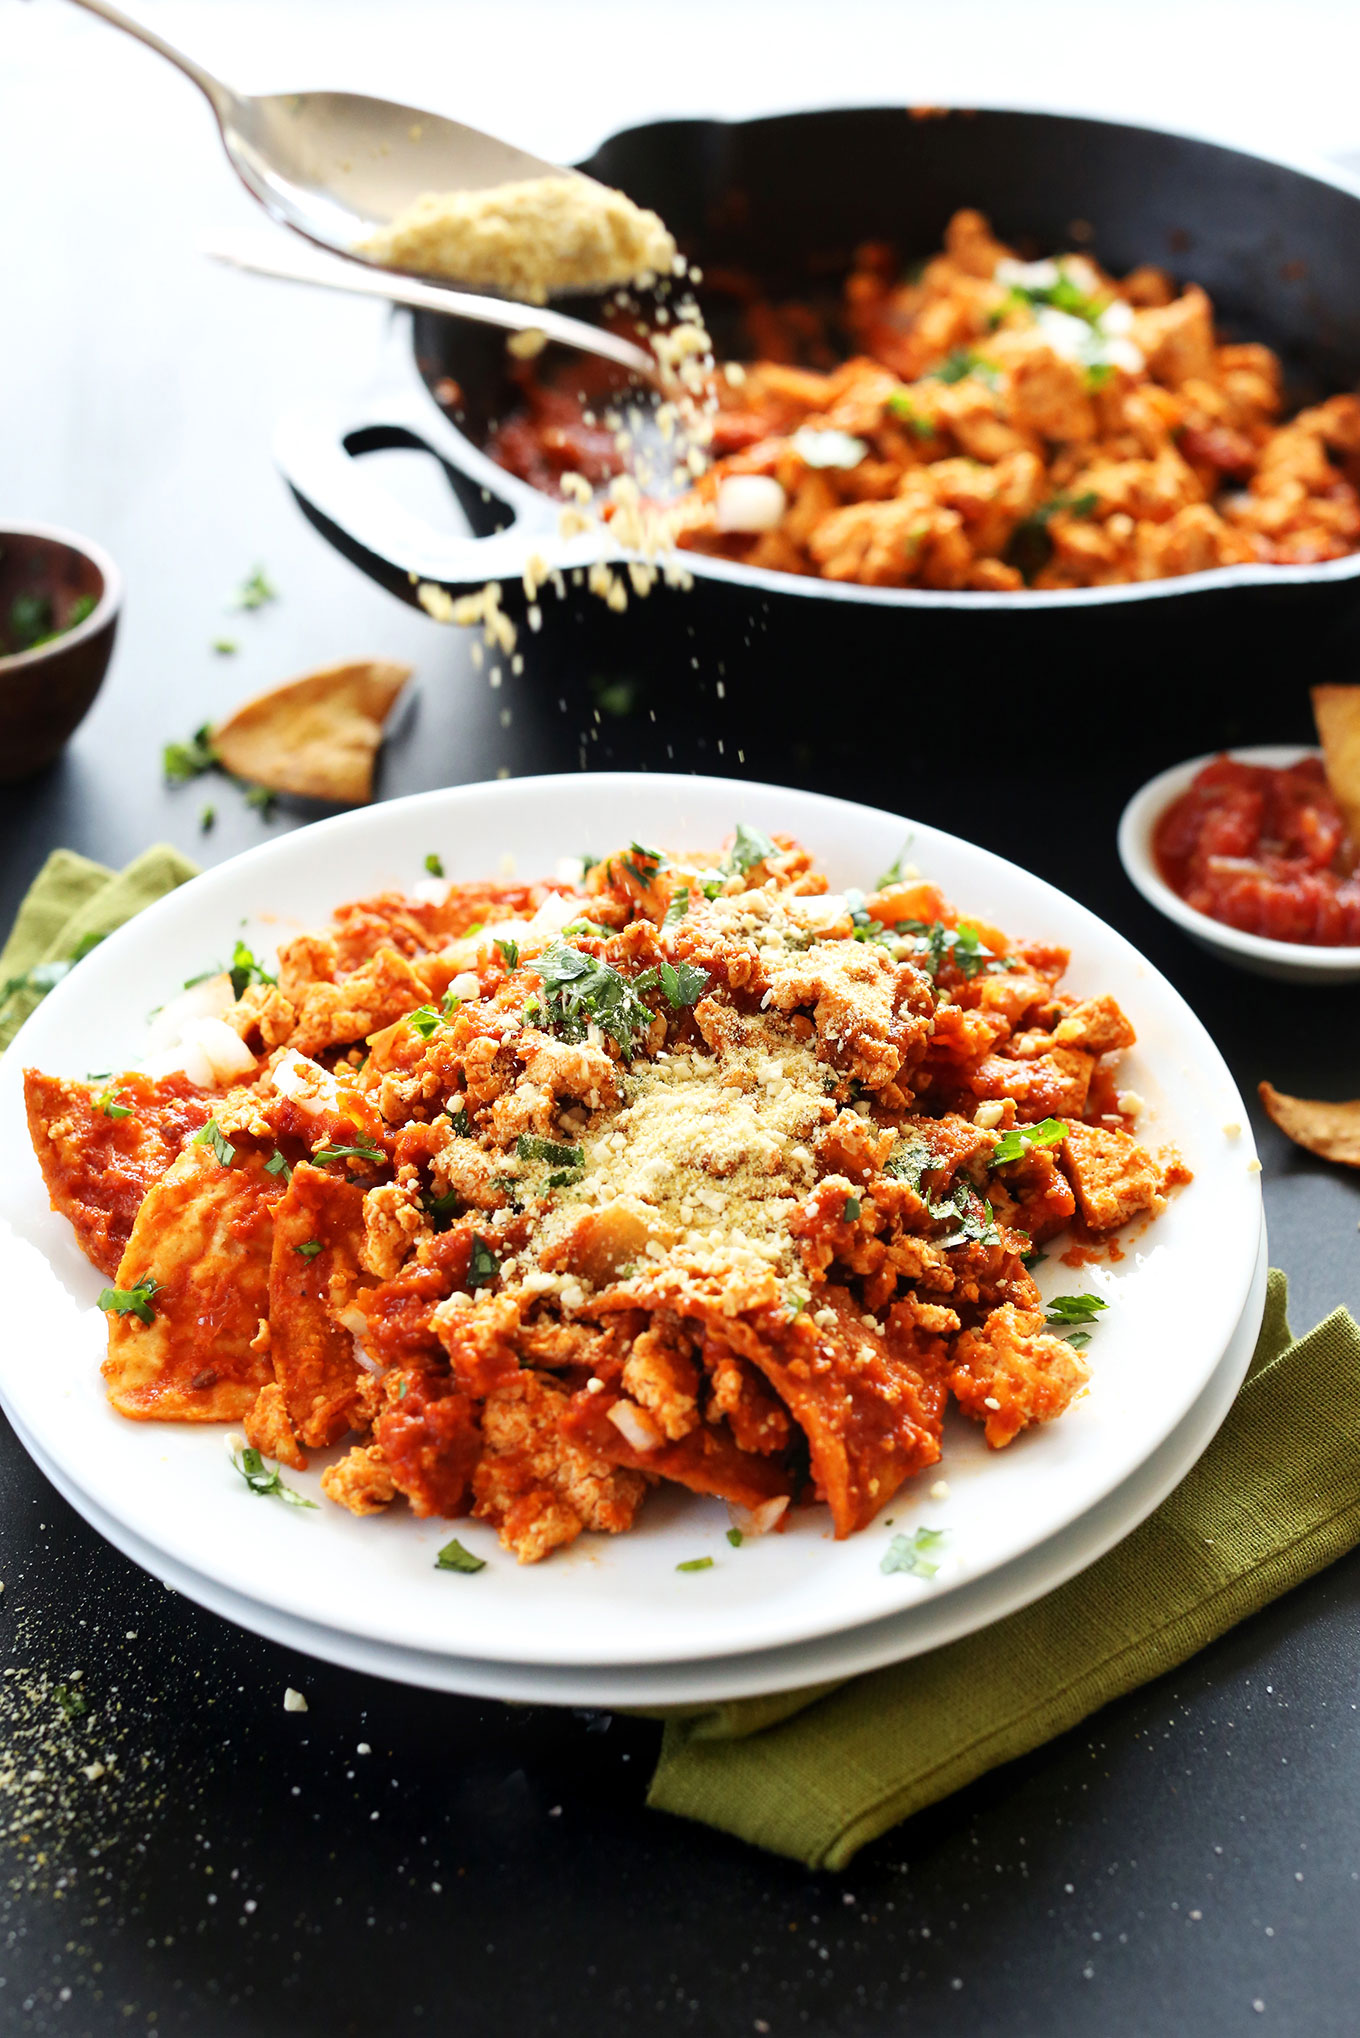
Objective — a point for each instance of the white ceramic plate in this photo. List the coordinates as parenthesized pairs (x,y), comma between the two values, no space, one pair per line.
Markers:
(1295,962)
(928,1624)
(1176,1298)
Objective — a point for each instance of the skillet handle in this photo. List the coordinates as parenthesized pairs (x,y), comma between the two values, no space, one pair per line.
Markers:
(320,455)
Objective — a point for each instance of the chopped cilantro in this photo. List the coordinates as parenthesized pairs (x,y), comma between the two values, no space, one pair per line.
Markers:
(134,1301)
(262,1478)
(1078,1339)
(460,1122)
(225,647)
(678,906)
(895,872)
(212,1135)
(255,590)
(530,1147)
(902,406)
(434,865)
(1030,547)
(1074,1309)
(245,970)
(1098,374)
(1013,1145)
(564,1178)
(310,1250)
(424,1020)
(277,1165)
(30,621)
(851,1210)
(453,1557)
(579,989)
(750,846)
(713,887)
(959,363)
(696,1564)
(366,1150)
(483,1266)
(961,946)
(735,1538)
(442,1209)
(682,983)
(908,1161)
(262,799)
(182,761)
(909,1553)
(976,1222)
(207,817)
(73,1703)
(509,953)
(449,1004)
(105,1101)
(1063,295)
(643,864)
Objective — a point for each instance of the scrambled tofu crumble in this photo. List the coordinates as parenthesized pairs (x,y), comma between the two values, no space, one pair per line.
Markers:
(682,1169)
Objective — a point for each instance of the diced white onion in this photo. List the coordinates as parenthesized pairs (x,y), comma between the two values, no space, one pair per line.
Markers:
(1117,316)
(431,891)
(1026,275)
(633,1426)
(208,1000)
(749,503)
(828,448)
(466,985)
(570,869)
(1122,353)
(552,916)
(758,1521)
(312,1088)
(226,1052)
(1070,338)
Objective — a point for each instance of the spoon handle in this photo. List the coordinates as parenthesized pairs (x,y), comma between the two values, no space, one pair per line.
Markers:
(362,281)
(212,88)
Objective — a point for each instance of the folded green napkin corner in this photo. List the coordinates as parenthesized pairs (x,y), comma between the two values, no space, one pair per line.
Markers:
(816,1774)
(71,904)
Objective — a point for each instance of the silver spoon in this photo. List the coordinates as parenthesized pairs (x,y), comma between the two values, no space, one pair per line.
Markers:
(336,166)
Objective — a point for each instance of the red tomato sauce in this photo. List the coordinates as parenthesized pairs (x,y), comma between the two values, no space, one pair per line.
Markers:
(1265,851)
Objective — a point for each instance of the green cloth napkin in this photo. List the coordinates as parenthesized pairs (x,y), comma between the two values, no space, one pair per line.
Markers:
(817,1773)
(70,904)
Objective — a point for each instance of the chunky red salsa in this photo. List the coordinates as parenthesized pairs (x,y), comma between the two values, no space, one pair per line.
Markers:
(1265,851)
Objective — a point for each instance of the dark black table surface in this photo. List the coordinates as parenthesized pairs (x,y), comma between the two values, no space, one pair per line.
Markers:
(391,1860)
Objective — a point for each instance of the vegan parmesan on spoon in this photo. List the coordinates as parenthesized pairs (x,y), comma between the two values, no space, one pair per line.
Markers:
(528,240)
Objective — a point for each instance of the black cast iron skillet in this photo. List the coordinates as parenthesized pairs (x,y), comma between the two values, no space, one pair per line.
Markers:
(787,199)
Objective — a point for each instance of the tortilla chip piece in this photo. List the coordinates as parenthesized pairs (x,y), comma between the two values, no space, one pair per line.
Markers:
(204,1232)
(1336,710)
(1329,1130)
(313,1353)
(97,1169)
(316,736)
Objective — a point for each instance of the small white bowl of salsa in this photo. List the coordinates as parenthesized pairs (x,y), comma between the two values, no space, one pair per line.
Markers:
(1246,886)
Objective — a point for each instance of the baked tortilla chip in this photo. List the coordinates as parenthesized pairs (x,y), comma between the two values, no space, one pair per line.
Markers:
(98,1167)
(204,1233)
(1336,710)
(313,1353)
(1330,1130)
(316,736)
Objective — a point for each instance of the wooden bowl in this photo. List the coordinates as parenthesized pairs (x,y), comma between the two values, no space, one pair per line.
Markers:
(47,691)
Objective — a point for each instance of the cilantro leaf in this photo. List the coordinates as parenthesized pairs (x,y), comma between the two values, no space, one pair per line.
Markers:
(182,761)
(73,1703)
(909,1553)
(1015,1144)
(750,846)
(255,590)
(277,1165)
(580,989)
(895,872)
(460,1122)
(959,363)
(530,1147)
(696,1564)
(908,1161)
(212,1135)
(134,1301)
(245,970)
(453,1557)
(678,906)
(262,798)
(441,1209)
(509,953)
(735,1538)
(682,983)
(424,1020)
(483,1266)
(310,1250)
(1074,1309)
(262,1478)
(851,1210)
(105,1101)
(643,864)
(434,865)
(365,1150)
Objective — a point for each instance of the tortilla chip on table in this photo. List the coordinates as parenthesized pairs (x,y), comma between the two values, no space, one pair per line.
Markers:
(316,737)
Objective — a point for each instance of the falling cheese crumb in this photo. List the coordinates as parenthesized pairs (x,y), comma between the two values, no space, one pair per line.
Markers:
(293,1701)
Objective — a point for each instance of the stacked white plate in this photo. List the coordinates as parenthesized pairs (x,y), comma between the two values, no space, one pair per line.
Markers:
(613,1621)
